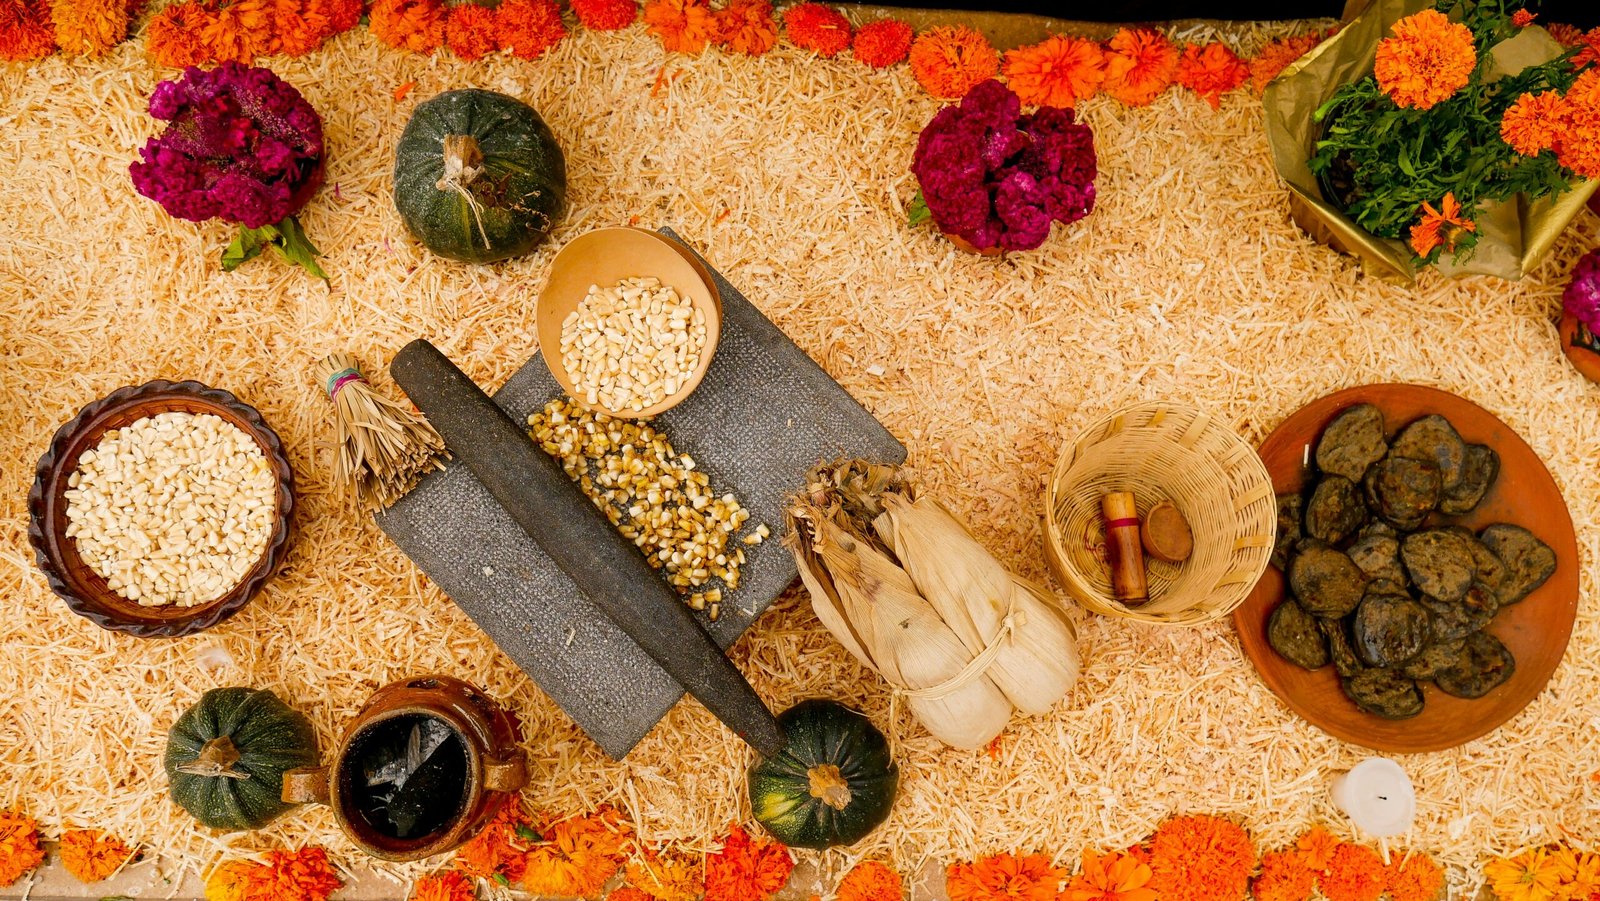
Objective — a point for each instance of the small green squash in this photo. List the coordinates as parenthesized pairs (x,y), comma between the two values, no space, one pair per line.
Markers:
(831,785)
(227,754)
(478,176)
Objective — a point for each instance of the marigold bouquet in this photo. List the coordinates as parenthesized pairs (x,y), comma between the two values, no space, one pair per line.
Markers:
(996,178)
(1415,150)
(240,145)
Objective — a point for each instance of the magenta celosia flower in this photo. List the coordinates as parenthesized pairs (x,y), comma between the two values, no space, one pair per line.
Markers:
(241,144)
(1582,297)
(998,178)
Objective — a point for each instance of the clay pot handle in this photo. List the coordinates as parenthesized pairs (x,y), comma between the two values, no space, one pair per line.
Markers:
(307,785)
(507,775)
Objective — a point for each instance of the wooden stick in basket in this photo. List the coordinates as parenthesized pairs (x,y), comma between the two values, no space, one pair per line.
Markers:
(1124,548)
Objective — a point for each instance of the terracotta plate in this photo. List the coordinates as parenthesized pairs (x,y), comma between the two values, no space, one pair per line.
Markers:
(1535,630)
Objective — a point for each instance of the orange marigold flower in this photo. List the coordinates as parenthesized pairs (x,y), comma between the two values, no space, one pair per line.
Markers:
(239,31)
(1583,884)
(301,26)
(1210,71)
(304,875)
(1535,875)
(25,30)
(529,28)
(1356,872)
(238,880)
(1534,123)
(1004,877)
(344,15)
(577,856)
(883,43)
(415,25)
(89,27)
(1284,877)
(745,869)
(450,886)
(91,855)
(684,26)
(1058,71)
(1201,858)
(1565,35)
(1426,60)
(606,15)
(469,31)
(1522,18)
(821,29)
(1114,877)
(1276,56)
(1316,848)
(628,893)
(871,880)
(1438,227)
(1414,877)
(1590,41)
(500,850)
(667,877)
(747,26)
(19,846)
(950,60)
(1140,64)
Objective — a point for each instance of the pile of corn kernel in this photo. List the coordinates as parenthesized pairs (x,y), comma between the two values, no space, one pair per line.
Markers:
(654,496)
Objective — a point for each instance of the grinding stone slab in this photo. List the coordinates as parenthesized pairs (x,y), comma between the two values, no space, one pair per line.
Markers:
(765,414)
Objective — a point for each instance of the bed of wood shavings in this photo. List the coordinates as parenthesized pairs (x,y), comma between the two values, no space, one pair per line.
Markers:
(790,174)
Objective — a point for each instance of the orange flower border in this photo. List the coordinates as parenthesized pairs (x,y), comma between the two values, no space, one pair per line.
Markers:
(1132,67)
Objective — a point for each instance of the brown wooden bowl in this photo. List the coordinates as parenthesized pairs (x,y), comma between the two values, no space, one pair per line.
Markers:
(84,590)
(1535,630)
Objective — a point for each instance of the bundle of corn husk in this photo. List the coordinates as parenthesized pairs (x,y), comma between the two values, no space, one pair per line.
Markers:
(911,594)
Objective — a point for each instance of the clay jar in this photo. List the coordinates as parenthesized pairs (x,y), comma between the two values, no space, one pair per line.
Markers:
(496,767)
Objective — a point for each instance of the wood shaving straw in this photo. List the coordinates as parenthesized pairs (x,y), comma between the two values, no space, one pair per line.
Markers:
(790,174)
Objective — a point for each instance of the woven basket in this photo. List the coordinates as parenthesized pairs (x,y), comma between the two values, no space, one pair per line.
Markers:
(1164,451)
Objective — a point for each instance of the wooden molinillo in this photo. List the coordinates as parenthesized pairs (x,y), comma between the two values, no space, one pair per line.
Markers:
(537,494)
(1124,549)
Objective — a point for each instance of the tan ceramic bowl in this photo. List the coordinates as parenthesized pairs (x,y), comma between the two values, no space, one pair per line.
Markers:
(604,257)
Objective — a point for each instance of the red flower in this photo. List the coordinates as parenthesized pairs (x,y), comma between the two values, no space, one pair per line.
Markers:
(529,28)
(470,31)
(605,15)
(684,26)
(1140,64)
(1210,71)
(1522,18)
(25,30)
(883,43)
(818,28)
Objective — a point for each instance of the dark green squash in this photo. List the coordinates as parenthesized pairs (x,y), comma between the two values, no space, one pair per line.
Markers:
(831,785)
(227,754)
(478,176)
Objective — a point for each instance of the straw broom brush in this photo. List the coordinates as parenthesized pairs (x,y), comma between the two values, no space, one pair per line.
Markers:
(383,448)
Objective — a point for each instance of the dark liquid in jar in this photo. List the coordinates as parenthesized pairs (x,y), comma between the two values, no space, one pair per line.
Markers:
(406,777)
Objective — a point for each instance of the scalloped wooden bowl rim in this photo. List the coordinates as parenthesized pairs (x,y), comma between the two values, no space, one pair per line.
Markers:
(1536,630)
(84,591)
(591,258)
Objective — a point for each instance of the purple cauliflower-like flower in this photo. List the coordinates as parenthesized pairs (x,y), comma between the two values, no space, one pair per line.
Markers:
(241,144)
(1582,297)
(997,178)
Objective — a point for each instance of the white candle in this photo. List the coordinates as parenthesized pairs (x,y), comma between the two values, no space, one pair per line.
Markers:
(1377,796)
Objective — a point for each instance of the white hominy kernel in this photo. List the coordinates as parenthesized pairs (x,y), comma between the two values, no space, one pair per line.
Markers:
(612,345)
(172,509)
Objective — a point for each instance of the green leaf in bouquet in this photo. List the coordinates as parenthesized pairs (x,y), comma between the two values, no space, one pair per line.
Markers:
(917,212)
(294,246)
(246,245)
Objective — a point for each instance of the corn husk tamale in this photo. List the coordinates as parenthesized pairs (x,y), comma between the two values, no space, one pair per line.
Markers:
(908,590)
(1038,663)
(873,608)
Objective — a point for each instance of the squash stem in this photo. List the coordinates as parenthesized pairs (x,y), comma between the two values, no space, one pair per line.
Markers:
(216,759)
(828,786)
(463,162)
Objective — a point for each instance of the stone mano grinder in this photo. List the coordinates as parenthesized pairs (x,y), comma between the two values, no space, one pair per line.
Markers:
(568,528)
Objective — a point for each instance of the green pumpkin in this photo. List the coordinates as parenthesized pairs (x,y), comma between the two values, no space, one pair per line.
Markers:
(833,783)
(226,757)
(478,176)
